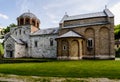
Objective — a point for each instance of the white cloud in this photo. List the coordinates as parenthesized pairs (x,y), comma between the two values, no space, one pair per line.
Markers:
(116,11)
(55,9)
(51,12)
(3,16)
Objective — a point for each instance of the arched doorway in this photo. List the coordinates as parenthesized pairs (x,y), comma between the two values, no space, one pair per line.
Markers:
(9,51)
(75,48)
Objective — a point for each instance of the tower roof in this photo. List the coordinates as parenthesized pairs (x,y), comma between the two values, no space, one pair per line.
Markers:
(29,15)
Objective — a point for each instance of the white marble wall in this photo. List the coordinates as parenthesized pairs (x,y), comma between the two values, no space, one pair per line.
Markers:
(20,51)
(44,49)
(7,42)
(25,32)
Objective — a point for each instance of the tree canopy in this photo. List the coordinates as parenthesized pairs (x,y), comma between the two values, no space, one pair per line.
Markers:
(117,31)
(6,30)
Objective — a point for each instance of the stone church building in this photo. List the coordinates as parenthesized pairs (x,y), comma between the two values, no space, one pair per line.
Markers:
(77,37)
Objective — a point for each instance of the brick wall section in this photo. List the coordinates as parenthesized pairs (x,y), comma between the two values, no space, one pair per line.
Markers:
(96,34)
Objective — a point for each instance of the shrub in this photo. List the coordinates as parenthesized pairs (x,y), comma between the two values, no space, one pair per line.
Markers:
(1,50)
(117,52)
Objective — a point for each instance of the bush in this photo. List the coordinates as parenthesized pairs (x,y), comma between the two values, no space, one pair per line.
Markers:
(117,52)
(1,50)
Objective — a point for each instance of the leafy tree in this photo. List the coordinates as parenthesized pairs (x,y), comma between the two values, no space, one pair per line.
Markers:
(6,30)
(117,31)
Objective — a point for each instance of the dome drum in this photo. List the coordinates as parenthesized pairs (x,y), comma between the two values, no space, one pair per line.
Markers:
(28,19)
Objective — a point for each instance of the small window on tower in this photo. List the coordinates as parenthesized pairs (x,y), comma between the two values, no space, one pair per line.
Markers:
(36,43)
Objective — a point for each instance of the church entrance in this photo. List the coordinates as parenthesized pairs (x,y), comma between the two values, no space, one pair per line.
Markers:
(10,54)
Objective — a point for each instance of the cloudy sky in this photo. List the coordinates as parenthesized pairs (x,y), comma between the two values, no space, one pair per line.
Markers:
(50,12)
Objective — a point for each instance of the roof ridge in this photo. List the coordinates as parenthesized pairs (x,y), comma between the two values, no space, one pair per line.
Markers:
(85,14)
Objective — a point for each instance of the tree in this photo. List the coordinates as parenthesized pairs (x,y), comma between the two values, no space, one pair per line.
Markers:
(117,31)
(6,30)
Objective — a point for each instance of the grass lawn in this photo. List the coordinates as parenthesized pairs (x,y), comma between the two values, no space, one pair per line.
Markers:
(77,69)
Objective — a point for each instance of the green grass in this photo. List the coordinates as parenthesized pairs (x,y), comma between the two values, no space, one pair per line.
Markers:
(82,68)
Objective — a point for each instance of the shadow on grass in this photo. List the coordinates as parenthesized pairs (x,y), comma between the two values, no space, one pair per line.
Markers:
(26,60)
(38,60)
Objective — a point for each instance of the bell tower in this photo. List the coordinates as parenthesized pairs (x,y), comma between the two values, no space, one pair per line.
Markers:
(29,18)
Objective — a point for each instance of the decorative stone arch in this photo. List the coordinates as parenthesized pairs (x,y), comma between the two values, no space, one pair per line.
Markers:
(104,41)
(27,20)
(38,24)
(33,22)
(9,51)
(90,34)
(75,48)
(65,48)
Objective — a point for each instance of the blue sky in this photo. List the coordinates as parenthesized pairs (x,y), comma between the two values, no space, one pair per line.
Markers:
(50,12)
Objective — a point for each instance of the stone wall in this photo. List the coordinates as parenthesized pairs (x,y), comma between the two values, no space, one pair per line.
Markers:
(8,42)
(44,49)
(84,21)
(21,32)
(69,48)
(34,29)
(102,35)
(20,51)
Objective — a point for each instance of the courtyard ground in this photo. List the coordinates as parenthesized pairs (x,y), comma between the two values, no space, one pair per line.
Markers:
(65,71)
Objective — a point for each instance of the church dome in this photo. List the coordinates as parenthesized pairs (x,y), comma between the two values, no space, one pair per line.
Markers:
(28,18)
(28,14)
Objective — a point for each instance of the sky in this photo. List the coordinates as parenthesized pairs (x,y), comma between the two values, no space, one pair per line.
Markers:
(50,12)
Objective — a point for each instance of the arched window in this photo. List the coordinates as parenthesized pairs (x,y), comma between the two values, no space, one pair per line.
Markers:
(36,43)
(27,21)
(64,47)
(24,31)
(20,31)
(33,22)
(51,41)
(21,21)
(90,43)
(38,25)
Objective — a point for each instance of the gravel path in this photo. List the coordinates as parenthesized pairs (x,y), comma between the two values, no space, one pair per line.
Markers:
(16,78)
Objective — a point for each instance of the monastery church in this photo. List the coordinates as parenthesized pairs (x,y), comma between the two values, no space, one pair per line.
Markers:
(77,37)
